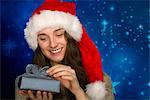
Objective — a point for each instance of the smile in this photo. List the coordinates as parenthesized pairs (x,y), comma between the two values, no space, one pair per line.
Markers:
(56,51)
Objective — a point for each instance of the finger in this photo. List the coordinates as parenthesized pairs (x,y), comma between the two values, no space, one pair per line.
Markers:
(22,91)
(39,95)
(70,78)
(55,67)
(63,73)
(50,96)
(30,94)
(52,68)
(45,96)
(73,71)
(60,69)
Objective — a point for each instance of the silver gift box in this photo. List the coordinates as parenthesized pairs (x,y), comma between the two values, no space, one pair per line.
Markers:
(42,84)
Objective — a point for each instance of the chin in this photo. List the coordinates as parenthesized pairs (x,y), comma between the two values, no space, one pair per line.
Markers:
(57,60)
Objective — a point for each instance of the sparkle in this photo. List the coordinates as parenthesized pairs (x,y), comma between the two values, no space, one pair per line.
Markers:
(126,71)
(104,23)
(112,8)
(129,83)
(93,8)
(112,46)
(97,20)
(134,40)
(130,30)
(125,59)
(122,20)
(140,26)
(131,16)
(103,42)
(96,42)
(149,84)
(148,37)
(125,12)
(88,23)
(118,41)
(111,39)
(98,11)
(118,25)
(142,93)
(100,14)
(148,45)
(127,33)
(141,48)
(83,12)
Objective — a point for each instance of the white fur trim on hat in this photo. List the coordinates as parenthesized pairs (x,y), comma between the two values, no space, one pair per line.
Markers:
(48,18)
(96,90)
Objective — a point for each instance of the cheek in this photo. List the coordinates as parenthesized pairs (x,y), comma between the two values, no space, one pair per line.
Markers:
(42,45)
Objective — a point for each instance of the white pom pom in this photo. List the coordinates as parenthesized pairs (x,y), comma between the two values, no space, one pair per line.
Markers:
(96,90)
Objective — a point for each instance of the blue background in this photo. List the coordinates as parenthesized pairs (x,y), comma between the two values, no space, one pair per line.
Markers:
(119,28)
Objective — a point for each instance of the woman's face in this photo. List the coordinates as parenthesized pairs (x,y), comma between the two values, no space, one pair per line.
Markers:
(53,43)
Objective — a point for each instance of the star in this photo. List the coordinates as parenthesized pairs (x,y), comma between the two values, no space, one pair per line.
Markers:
(104,23)
(114,84)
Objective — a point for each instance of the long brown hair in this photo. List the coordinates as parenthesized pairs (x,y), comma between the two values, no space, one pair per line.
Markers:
(72,58)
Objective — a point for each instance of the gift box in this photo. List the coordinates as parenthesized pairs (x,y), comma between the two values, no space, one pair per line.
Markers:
(36,79)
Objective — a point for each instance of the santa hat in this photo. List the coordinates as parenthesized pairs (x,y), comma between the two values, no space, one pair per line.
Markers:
(54,13)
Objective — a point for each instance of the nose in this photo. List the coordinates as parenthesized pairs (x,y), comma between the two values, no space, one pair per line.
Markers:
(53,43)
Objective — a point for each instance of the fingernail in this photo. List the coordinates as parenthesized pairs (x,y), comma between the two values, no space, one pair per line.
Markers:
(38,92)
(47,71)
(54,75)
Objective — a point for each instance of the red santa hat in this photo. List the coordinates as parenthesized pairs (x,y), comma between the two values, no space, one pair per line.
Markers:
(54,13)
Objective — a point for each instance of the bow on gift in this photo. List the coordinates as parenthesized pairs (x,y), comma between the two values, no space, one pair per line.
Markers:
(35,69)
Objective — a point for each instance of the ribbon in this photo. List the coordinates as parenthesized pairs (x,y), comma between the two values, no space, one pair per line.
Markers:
(35,70)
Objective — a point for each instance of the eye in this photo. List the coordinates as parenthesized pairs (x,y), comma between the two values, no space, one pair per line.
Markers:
(59,34)
(42,38)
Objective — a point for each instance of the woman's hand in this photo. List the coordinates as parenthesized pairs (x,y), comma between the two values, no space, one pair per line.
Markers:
(67,77)
(38,96)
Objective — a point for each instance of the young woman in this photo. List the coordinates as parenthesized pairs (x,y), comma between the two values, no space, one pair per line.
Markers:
(60,41)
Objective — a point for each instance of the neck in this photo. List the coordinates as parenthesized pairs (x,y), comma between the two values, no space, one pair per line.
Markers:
(54,63)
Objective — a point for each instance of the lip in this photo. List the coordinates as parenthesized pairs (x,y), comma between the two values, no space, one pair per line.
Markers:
(56,51)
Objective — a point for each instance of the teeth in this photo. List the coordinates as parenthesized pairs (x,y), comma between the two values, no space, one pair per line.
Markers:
(56,51)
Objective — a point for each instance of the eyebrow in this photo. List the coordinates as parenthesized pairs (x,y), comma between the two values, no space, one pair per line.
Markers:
(54,31)
(41,34)
(58,29)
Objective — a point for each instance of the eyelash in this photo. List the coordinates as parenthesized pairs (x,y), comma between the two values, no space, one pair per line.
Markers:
(42,38)
(59,34)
